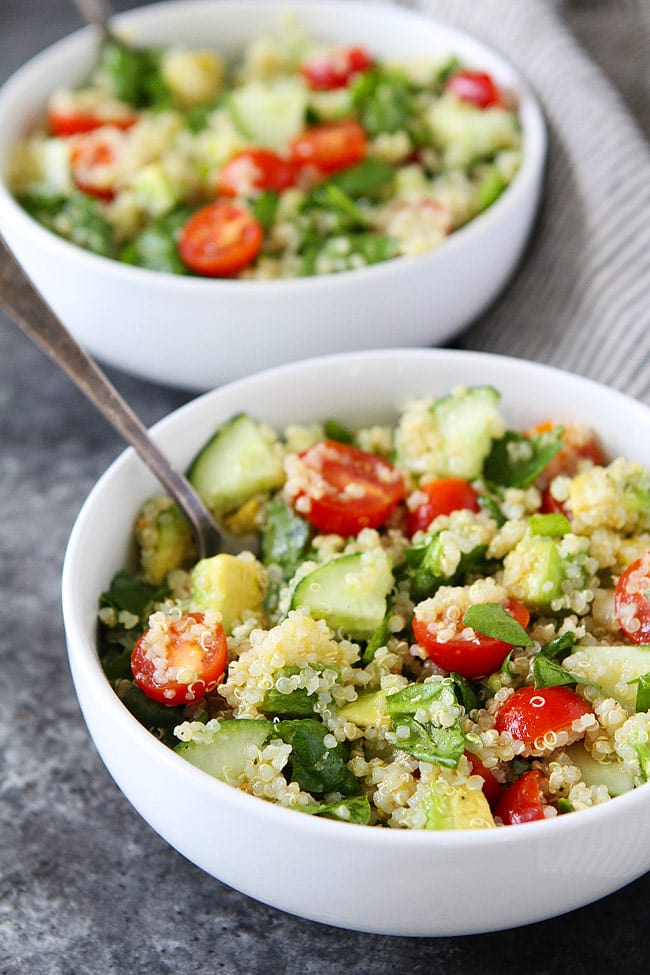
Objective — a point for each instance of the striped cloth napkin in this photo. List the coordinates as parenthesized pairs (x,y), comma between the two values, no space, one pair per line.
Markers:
(581,298)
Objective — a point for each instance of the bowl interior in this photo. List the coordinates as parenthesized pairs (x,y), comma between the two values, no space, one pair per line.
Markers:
(389,31)
(558,865)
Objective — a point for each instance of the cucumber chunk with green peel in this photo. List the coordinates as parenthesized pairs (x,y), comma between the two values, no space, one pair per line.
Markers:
(349,593)
(545,573)
(269,114)
(612,775)
(615,669)
(452,436)
(235,465)
(224,754)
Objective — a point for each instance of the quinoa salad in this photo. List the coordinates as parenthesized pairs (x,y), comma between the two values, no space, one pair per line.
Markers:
(299,158)
(441,623)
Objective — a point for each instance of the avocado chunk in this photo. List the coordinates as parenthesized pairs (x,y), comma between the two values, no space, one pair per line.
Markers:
(368,710)
(455,806)
(232,586)
(164,539)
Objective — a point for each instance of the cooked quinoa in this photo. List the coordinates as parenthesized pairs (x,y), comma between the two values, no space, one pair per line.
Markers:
(320,158)
(395,659)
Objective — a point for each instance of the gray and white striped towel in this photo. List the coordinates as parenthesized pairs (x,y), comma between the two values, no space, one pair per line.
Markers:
(581,298)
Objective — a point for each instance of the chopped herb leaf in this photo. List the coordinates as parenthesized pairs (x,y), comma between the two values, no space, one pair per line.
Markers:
(548,673)
(378,639)
(336,431)
(315,767)
(425,740)
(465,693)
(429,743)
(364,179)
(354,810)
(516,460)
(494,621)
(128,592)
(559,647)
(643,693)
(264,208)
(564,806)
(285,537)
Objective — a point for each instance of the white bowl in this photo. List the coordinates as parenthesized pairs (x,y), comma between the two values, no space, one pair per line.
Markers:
(198,333)
(370,879)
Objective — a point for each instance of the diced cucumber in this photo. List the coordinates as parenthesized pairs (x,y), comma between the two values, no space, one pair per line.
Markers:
(467,420)
(235,465)
(349,593)
(467,134)
(615,669)
(225,756)
(269,114)
(451,437)
(610,774)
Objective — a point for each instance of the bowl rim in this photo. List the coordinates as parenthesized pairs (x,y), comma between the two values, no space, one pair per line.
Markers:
(524,184)
(84,660)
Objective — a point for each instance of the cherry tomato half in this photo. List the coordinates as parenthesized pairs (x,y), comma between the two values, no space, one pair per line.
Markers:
(580,443)
(252,170)
(476,657)
(93,159)
(334,68)
(347,489)
(523,801)
(180,660)
(632,600)
(220,239)
(492,790)
(551,505)
(330,146)
(475,87)
(75,112)
(530,714)
(443,496)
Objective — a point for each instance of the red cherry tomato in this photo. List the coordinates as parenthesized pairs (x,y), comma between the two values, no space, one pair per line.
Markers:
(532,713)
(443,496)
(476,657)
(475,87)
(335,68)
(180,660)
(550,505)
(580,443)
(492,790)
(347,489)
(523,801)
(330,146)
(220,239)
(74,122)
(632,600)
(252,170)
(93,159)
